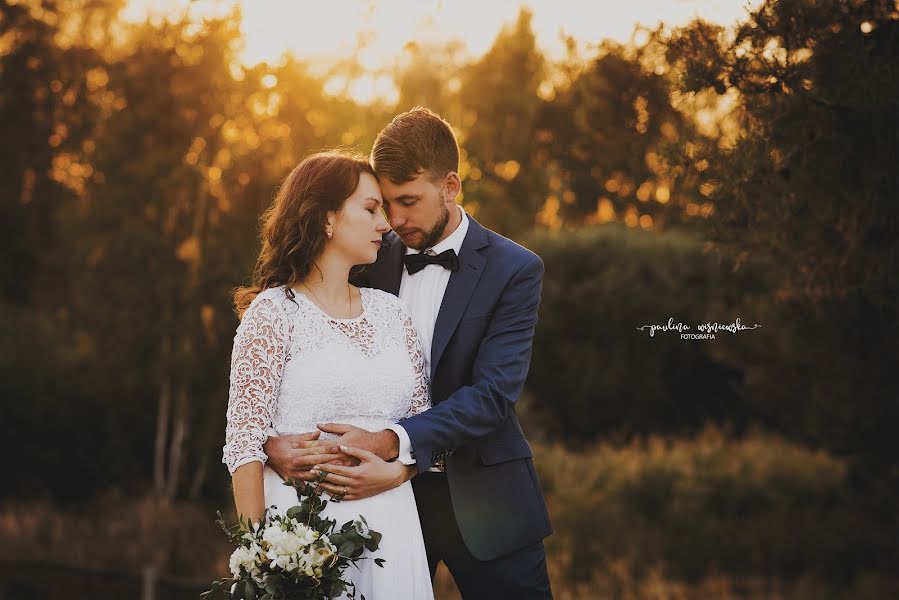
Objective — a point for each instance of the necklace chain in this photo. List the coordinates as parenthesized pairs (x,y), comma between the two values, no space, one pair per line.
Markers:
(349,295)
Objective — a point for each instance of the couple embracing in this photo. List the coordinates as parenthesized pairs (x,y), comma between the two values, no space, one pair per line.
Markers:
(396,381)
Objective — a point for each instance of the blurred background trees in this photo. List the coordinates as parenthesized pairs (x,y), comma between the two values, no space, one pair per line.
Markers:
(702,174)
(809,192)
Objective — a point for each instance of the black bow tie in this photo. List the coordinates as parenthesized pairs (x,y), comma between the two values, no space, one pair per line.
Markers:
(446,259)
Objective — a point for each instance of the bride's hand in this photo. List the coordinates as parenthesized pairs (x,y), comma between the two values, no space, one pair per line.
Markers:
(371,477)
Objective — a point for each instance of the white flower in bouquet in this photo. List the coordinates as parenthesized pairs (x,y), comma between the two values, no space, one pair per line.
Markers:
(281,556)
(306,567)
(291,543)
(307,535)
(273,534)
(282,561)
(245,558)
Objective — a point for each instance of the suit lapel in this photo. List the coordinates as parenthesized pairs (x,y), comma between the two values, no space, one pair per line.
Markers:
(458,293)
(394,275)
(387,272)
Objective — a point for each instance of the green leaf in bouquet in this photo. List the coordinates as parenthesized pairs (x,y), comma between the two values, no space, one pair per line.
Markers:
(348,526)
(337,588)
(239,591)
(380,562)
(347,548)
(327,525)
(337,538)
(222,586)
(249,590)
(374,540)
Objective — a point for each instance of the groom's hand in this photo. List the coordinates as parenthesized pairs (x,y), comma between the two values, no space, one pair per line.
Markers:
(292,456)
(373,476)
(384,444)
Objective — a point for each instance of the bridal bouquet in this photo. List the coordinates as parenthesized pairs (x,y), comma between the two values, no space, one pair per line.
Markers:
(297,556)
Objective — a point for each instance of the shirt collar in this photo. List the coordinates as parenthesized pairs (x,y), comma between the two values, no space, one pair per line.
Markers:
(453,241)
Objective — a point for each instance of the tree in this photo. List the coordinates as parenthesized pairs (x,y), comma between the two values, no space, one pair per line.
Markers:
(602,136)
(593,373)
(46,108)
(809,192)
(428,76)
(499,96)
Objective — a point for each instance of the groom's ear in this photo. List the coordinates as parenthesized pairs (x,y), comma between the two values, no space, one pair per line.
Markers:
(452,185)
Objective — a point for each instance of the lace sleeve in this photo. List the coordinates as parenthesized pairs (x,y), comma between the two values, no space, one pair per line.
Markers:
(257,366)
(421,398)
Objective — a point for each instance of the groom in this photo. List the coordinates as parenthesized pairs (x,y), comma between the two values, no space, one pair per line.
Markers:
(473,296)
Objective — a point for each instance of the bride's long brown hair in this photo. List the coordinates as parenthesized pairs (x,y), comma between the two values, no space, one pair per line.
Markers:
(293,227)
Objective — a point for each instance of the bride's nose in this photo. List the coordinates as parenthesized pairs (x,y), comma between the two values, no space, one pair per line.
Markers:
(383,226)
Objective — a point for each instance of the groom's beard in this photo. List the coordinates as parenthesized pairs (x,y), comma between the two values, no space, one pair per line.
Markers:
(431,236)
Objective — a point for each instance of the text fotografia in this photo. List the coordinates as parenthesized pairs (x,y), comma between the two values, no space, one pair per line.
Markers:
(704,331)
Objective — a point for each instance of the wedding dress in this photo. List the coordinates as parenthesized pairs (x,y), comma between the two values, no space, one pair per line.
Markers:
(292,367)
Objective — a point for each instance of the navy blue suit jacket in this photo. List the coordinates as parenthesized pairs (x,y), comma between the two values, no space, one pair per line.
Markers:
(480,355)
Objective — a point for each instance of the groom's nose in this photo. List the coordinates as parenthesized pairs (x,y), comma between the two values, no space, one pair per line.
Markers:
(396,219)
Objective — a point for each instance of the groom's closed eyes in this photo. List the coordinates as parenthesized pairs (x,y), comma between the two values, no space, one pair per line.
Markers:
(404,201)
(407,199)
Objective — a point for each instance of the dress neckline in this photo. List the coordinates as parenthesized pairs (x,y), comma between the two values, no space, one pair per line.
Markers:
(320,310)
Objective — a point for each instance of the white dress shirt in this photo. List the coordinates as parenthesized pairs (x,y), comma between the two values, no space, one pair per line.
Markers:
(423,295)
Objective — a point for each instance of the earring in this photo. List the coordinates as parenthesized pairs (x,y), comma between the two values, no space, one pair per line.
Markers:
(328,232)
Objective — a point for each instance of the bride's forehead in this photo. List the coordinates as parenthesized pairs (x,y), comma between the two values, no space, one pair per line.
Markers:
(368,184)
(367,190)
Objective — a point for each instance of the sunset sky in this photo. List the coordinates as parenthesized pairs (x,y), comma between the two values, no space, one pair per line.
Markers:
(375,33)
(321,31)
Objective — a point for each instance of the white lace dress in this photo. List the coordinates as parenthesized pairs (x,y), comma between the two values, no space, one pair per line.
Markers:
(293,367)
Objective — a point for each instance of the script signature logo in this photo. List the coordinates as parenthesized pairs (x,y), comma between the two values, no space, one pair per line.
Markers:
(706,331)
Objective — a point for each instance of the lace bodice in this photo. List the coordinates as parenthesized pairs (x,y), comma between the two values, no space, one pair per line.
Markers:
(293,366)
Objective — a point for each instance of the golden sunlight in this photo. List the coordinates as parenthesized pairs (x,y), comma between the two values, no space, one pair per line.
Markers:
(375,33)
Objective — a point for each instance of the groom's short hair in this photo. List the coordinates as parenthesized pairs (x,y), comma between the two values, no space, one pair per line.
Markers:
(415,142)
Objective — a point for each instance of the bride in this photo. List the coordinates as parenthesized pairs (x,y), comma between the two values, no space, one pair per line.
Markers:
(311,348)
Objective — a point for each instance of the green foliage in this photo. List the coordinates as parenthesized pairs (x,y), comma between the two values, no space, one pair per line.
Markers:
(39,366)
(127,234)
(422,79)
(603,133)
(701,518)
(809,193)
(500,108)
(679,510)
(593,372)
(44,113)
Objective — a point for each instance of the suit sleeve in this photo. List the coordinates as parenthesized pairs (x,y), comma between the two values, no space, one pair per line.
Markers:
(498,374)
